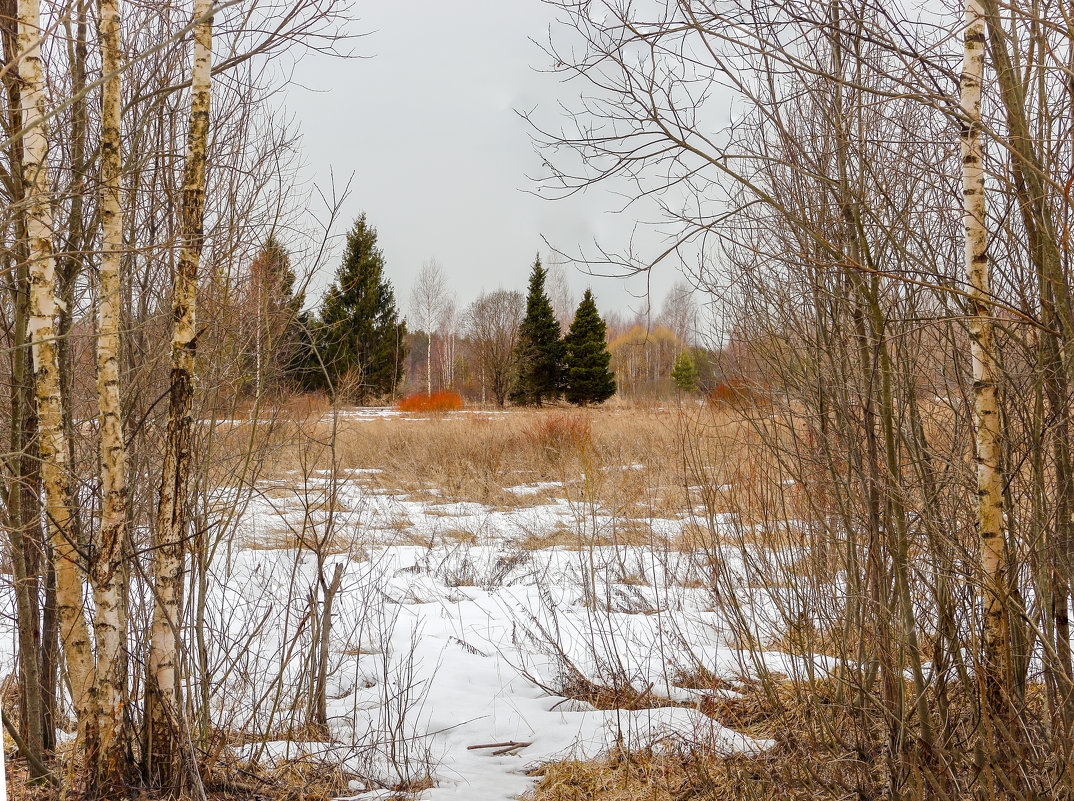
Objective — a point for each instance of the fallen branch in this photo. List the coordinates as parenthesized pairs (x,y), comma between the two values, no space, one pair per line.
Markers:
(37,764)
(501,748)
(489,745)
(511,747)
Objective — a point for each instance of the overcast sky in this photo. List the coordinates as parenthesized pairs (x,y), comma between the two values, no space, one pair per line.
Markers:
(427,124)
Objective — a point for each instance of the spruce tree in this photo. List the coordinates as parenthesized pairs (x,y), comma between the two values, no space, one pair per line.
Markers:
(274,310)
(588,378)
(684,372)
(539,353)
(359,331)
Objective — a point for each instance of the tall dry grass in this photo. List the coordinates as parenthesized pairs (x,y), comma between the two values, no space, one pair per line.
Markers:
(637,463)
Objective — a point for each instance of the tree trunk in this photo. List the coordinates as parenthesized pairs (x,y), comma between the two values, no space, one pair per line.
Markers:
(162,744)
(41,327)
(26,580)
(21,500)
(108,569)
(321,686)
(429,364)
(1042,233)
(994,675)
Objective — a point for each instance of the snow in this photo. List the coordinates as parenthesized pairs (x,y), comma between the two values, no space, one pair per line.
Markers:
(440,646)
(477,658)
(368,413)
(483,635)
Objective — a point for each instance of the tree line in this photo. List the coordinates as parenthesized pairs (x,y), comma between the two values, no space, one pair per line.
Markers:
(357,342)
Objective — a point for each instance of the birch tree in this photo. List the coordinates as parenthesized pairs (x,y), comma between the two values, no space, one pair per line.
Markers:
(986,418)
(20,501)
(428,300)
(448,329)
(559,292)
(162,748)
(74,631)
(107,569)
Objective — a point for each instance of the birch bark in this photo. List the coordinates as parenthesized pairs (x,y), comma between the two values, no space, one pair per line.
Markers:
(162,747)
(993,588)
(107,568)
(41,328)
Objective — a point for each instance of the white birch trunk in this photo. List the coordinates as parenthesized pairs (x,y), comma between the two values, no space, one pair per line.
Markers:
(162,747)
(429,363)
(993,585)
(107,569)
(74,632)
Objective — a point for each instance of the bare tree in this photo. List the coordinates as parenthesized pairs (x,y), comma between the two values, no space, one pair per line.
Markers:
(559,291)
(163,752)
(107,567)
(62,181)
(679,312)
(41,329)
(427,300)
(990,528)
(906,392)
(492,326)
(448,330)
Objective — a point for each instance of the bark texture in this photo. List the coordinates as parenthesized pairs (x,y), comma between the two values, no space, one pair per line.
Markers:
(996,657)
(107,568)
(42,332)
(162,746)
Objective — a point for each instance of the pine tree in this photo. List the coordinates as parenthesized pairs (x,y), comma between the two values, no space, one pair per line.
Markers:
(684,372)
(539,353)
(588,378)
(359,331)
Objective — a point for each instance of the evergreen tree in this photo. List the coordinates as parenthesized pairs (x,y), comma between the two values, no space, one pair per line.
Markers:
(588,378)
(684,372)
(539,353)
(273,311)
(272,272)
(359,332)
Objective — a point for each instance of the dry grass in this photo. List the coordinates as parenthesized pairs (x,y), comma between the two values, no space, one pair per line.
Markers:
(225,779)
(558,537)
(632,464)
(670,774)
(825,749)
(797,767)
(288,539)
(622,777)
(629,465)
(625,459)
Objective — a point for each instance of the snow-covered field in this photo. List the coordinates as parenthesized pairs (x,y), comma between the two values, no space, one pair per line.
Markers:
(448,634)
(458,625)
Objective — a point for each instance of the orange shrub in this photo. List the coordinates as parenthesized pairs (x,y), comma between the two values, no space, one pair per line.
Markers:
(441,401)
(733,392)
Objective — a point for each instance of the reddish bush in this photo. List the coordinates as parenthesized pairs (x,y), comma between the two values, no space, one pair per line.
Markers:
(733,392)
(441,401)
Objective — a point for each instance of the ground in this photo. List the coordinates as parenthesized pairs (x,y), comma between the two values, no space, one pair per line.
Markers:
(516,589)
